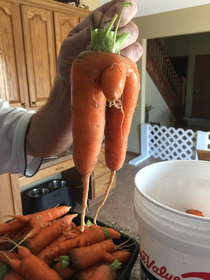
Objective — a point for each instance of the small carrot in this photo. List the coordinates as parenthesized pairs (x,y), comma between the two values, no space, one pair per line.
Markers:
(32,267)
(123,256)
(11,255)
(195,212)
(65,272)
(47,234)
(83,257)
(106,271)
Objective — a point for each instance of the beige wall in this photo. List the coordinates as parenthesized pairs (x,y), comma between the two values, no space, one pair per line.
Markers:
(93,4)
(178,22)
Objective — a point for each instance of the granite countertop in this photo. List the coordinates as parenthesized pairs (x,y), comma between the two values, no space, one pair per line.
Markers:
(67,154)
(135,273)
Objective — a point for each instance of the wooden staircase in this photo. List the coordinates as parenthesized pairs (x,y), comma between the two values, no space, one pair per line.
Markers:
(164,76)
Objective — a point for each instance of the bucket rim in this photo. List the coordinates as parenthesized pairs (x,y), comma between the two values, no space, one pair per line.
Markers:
(160,205)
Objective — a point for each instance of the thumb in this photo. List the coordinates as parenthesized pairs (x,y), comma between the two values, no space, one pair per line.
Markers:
(74,44)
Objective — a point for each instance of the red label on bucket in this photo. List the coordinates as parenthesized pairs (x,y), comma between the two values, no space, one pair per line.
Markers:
(162,273)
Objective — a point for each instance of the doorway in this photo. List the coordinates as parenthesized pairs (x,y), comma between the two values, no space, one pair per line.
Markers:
(201,87)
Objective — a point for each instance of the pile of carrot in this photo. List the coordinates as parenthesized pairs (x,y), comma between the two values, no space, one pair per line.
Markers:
(49,245)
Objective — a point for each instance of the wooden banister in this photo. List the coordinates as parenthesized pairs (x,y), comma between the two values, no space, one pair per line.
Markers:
(165,78)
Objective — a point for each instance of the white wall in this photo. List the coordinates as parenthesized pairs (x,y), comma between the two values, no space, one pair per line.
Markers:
(161,112)
(149,7)
(92,4)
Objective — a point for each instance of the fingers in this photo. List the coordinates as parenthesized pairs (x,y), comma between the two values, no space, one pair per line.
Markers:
(134,52)
(127,15)
(70,48)
(131,29)
(109,10)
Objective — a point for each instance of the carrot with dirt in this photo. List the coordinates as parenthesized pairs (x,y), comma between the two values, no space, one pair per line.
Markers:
(89,237)
(104,73)
(122,256)
(83,257)
(31,267)
(42,254)
(47,234)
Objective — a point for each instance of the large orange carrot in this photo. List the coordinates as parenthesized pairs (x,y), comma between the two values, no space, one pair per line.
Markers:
(45,216)
(31,267)
(42,254)
(97,75)
(83,257)
(122,256)
(47,234)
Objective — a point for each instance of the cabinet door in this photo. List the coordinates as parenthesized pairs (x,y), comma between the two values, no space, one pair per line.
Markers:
(64,23)
(13,81)
(40,52)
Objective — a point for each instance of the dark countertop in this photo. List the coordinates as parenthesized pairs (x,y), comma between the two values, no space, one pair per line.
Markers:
(67,154)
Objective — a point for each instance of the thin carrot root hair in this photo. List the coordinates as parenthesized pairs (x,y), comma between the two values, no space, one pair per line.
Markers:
(85,180)
(8,240)
(106,195)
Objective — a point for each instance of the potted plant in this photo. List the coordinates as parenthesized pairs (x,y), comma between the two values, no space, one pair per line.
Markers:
(147,109)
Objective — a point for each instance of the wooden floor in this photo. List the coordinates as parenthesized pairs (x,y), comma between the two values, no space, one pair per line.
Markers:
(119,207)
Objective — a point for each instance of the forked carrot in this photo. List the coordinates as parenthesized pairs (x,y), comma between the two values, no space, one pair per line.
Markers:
(105,74)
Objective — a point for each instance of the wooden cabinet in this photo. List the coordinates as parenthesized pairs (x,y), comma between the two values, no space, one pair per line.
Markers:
(99,180)
(12,60)
(40,52)
(64,23)
(31,34)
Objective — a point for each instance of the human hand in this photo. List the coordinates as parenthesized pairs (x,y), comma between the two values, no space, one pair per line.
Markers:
(79,36)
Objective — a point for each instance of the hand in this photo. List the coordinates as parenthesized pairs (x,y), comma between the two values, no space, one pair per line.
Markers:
(79,37)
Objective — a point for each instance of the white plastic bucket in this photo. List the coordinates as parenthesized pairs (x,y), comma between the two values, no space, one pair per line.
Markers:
(174,245)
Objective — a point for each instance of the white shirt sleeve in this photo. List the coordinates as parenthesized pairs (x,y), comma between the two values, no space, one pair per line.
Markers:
(14,123)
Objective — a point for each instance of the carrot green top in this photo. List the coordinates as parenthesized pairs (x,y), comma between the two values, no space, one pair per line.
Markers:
(107,40)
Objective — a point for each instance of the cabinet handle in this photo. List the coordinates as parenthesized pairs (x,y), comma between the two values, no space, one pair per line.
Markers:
(23,105)
(59,168)
(33,102)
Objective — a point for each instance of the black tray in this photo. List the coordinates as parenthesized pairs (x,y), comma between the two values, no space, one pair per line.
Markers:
(134,248)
